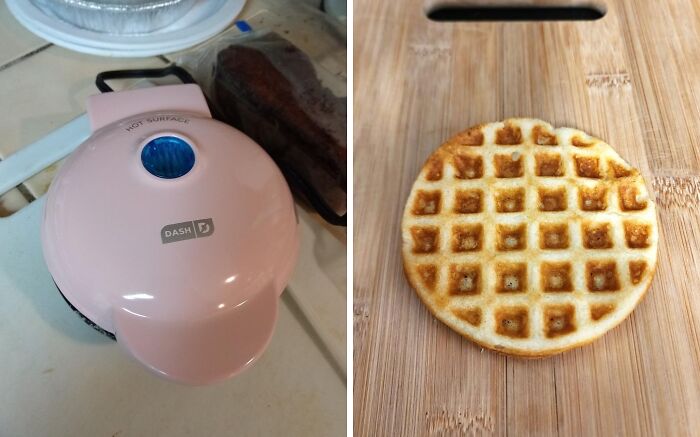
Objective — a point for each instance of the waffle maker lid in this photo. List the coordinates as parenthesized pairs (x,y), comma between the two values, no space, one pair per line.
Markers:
(173,231)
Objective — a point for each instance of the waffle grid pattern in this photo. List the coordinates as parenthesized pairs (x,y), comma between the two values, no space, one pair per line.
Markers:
(533,246)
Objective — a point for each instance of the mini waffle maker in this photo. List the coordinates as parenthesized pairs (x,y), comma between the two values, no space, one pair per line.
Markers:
(173,233)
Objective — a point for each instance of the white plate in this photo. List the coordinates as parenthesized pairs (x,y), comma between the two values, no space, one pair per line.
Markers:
(204,20)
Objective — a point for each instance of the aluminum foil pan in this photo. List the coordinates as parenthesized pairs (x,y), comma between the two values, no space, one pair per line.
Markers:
(119,17)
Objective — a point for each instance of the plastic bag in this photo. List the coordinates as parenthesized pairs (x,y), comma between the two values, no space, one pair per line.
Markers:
(281,79)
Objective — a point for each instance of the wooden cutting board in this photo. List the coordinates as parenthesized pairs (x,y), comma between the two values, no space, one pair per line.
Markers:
(631,78)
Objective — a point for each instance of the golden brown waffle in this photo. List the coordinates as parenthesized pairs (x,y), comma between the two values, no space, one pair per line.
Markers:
(529,240)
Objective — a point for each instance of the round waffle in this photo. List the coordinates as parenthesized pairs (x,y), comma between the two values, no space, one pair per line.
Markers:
(529,240)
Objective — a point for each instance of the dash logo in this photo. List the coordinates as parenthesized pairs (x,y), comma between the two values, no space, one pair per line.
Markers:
(187,230)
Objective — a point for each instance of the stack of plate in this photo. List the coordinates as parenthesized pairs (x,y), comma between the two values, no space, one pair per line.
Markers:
(172,25)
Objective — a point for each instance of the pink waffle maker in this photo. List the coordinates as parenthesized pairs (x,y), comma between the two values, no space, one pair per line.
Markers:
(173,233)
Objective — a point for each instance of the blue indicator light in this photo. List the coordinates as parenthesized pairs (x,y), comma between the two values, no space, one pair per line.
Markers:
(167,157)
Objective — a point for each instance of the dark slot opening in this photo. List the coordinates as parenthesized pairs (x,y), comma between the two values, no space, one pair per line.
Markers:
(515,13)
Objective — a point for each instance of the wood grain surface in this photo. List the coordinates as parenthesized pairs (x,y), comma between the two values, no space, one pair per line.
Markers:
(632,79)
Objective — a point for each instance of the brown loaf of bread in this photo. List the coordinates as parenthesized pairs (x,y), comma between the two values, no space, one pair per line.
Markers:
(269,89)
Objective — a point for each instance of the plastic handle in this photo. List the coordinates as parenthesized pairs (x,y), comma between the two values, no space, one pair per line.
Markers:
(104,109)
